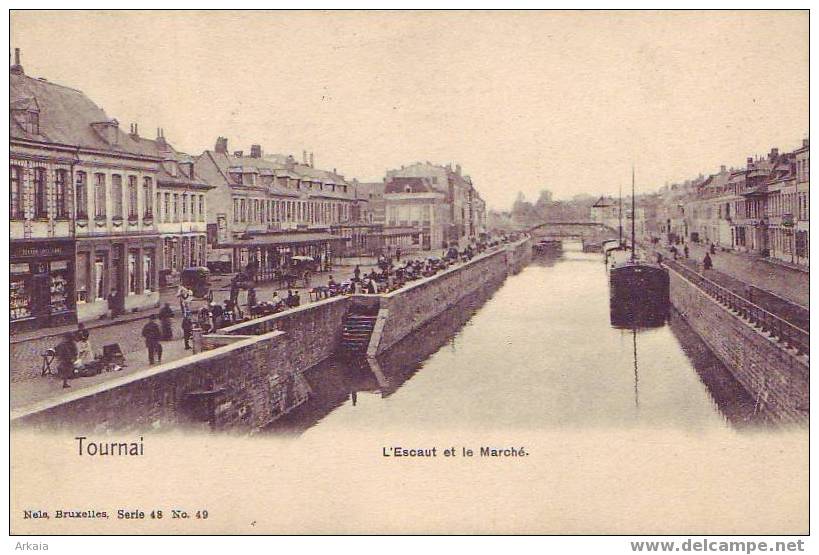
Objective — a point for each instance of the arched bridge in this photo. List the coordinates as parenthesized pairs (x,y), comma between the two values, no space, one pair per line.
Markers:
(592,234)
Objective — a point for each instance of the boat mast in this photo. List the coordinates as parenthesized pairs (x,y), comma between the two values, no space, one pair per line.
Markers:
(620,216)
(632,212)
(636,379)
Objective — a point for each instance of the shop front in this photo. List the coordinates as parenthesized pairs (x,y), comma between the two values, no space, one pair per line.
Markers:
(118,273)
(41,284)
(266,256)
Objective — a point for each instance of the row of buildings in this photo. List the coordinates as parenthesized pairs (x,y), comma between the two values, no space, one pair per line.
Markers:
(100,215)
(761,208)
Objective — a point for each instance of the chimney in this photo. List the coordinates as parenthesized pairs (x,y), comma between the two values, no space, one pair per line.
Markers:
(750,161)
(290,163)
(805,142)
(221,145)
(774,154)
(304,157)
(238,153)
(134,131)
(160,138)
(311,160)
(16,68)
(722,168)
(458,169)
(255,151)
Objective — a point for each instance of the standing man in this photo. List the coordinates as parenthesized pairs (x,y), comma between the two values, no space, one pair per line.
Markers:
(152,336)
(251,300)
(707,264)
(113,298)
(184,294)
(66,352)
(187,332)
(165,315)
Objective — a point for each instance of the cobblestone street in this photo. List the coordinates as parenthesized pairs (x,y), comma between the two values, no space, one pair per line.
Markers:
(26,350)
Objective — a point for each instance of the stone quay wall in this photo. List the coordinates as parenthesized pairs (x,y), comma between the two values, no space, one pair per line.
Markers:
(776,377)
(250,373)
(404,311)
(241,381)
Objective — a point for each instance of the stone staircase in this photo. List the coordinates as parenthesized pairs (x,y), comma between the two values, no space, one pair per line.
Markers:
(356,332)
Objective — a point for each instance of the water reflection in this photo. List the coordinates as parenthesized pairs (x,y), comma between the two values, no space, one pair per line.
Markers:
(537,353)
(339,380)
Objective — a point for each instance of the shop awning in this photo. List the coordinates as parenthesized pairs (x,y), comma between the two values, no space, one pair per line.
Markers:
(283,239)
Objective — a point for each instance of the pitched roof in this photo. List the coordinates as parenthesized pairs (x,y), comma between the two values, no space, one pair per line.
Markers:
(414,184)
(66,116)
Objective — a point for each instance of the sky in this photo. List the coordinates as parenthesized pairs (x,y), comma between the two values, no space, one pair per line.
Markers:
(524,101)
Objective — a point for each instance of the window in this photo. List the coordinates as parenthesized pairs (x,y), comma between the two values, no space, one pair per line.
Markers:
(201,208)
(167,217)
(235,210)
(99,195)
(148,269)
(242,210)
(40,193)
(82,277)
(184,207)
(15,192)
(33,122)
(147,198)
(116,195)
(193,208)
(82,195)
(99,277)
(60,197)
(175,207)
(133,197)
(132,272)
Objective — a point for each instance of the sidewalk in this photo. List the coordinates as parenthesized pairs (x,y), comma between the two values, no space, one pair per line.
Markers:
(126,330)
(29,387)
(788,283)
(31,391)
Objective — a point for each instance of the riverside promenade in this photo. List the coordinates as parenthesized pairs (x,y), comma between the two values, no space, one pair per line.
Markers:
(28,386)
(738,270)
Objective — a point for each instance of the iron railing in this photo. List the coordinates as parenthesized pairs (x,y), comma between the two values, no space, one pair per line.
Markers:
(785,332)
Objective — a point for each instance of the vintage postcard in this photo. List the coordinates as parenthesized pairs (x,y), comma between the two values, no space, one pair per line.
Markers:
(409,272)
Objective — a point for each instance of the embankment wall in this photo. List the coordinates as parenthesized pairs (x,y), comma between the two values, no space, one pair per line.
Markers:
(250,373)
(776,377)
(241,382)
(407,309)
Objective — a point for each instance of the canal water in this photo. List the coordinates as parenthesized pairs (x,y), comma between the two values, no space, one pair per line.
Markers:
(537,353)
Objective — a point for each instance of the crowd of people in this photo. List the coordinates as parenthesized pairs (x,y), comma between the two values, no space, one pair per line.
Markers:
(391,273)
(75,356)
(707,261)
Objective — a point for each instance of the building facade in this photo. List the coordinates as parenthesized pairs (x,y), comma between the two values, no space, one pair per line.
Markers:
(761,208)
(464,216)
(181,213)
(255,194)
(81,195)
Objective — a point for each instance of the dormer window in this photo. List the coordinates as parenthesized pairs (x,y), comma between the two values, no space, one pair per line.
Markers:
(33,122)
(170,167)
